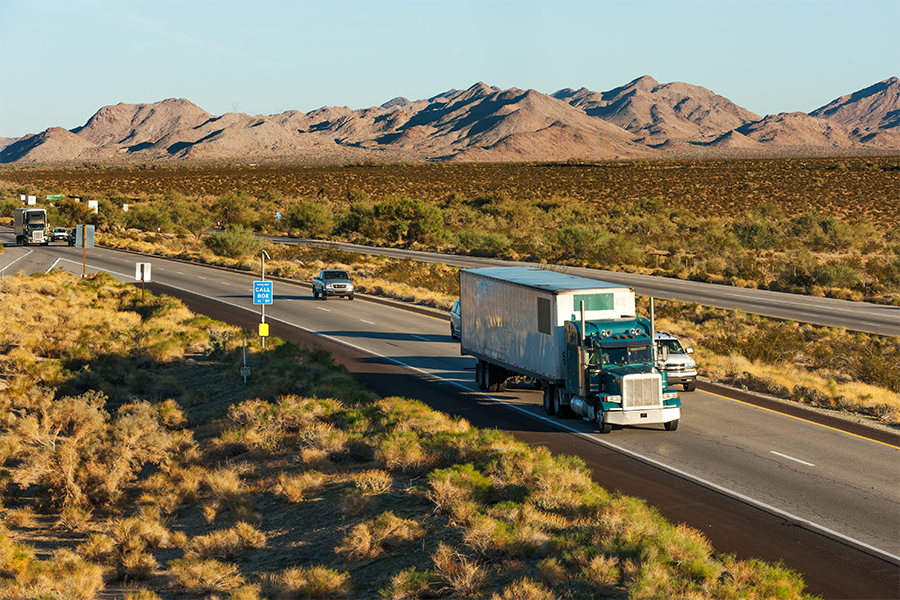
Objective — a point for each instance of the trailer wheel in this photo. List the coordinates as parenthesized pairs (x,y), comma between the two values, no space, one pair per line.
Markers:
(479,375)
(672,425)
(550,399)
(496,378)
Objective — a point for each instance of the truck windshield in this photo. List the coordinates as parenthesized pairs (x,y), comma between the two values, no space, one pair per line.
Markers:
(625,356)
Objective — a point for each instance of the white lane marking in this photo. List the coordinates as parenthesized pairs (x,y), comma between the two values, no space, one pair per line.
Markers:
(179,272)
(20,258)
(802,462)
(75,262)
(223,283)
(198,277)
(323,308)
(593,437)
(419,337)
(369,322)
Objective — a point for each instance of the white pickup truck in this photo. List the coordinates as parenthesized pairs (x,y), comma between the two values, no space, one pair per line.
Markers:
(332,282)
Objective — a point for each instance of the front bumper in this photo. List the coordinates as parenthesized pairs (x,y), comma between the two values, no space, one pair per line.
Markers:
(678,377)
(643,416)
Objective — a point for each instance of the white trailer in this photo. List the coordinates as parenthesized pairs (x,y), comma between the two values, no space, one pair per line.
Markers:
(515,316)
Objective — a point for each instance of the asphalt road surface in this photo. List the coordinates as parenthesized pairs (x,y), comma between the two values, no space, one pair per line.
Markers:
(757,482)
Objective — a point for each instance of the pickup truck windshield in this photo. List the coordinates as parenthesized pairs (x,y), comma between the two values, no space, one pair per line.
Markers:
(335,275)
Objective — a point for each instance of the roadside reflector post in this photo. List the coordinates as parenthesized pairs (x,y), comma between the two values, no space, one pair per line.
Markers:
(245,370)
(142,273)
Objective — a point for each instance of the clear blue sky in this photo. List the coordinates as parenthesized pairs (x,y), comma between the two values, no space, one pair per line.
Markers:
(62,60)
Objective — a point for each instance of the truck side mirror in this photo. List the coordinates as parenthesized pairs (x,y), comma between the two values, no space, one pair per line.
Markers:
(664,353)
(690,350)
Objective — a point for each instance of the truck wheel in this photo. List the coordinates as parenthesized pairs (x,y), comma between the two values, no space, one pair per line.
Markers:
(672,425)
(602,425)
(480,368)
(689,387)
(315,294)
(496,378)
(350,296)
(550,400)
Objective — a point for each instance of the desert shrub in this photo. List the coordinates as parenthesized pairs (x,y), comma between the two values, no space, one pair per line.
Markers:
(482,243)
(150,217)
(300,487)
(769,341)
(458,483)
(525,589)
(80,456)
(755,231)
(310,582)
(410,584)
(371,539)
(373,481)
(226,544)
(205,576)
(462,575)
(236,242)
(309,219)
(233,209)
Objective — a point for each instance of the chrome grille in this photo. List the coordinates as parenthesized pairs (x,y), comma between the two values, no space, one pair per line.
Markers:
(641,389)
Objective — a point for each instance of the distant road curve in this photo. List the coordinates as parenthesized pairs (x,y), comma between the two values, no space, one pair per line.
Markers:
(855,316)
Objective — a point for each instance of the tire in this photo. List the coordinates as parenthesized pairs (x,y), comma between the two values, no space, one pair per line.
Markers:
(689,387)
(550,400)
(350,297)
(324,295)
(453,334)
(602,425)
(496,378)
(315,294)
(672,425)
(479,375)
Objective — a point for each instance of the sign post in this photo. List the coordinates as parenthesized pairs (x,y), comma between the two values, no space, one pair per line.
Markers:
(142,273)
(84,239)
(263,294)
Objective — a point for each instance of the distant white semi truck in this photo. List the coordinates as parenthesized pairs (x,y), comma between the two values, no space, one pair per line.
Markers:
(579,339)
(31,226)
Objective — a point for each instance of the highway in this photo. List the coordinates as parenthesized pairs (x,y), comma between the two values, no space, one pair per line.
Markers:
(757,482)
(856,316)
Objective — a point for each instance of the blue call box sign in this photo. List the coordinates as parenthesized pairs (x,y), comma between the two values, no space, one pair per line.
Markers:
(262,292)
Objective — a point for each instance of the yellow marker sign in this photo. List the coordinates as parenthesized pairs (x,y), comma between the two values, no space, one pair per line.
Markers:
(263,330)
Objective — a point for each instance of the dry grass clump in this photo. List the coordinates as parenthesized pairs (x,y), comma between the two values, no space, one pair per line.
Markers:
(372,539)
(226,544)
(205,576)
(301,486)
(309,582)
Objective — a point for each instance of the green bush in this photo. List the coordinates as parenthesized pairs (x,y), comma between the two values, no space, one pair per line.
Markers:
(236,242)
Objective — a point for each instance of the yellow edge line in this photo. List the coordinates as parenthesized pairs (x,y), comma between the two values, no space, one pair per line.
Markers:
(856,435)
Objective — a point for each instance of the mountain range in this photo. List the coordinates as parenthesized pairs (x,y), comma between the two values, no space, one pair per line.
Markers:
(641,120)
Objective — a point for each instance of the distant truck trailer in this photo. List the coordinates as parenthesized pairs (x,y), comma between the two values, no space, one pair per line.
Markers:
(31,226)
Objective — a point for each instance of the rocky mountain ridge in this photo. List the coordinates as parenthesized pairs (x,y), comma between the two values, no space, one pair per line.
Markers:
(642,119)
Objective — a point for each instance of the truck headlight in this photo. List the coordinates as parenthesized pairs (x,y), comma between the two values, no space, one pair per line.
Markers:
(670,395)
(616,399)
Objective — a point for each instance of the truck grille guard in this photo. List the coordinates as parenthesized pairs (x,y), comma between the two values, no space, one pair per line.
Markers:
(641,390)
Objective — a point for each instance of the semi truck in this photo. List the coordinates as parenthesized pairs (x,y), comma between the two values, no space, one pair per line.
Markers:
(31,226)
(579,340)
